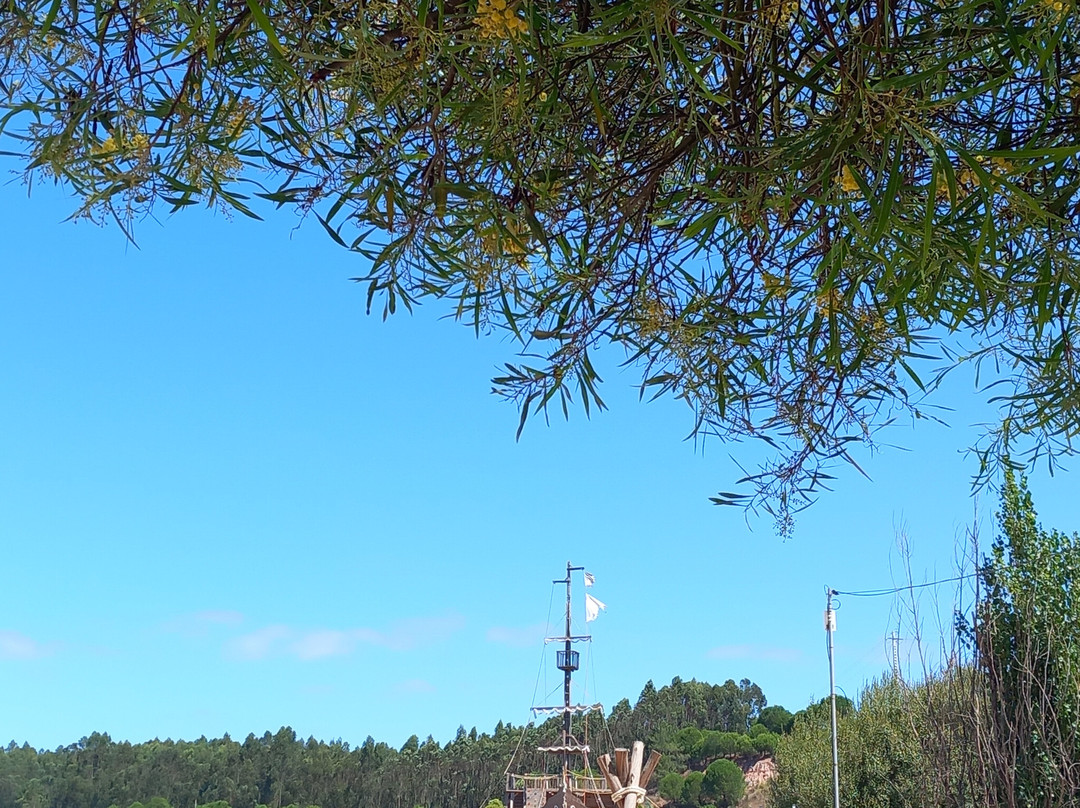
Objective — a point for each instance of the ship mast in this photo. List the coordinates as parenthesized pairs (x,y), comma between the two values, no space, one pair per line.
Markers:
(567,660)
(623,784)
(567,663)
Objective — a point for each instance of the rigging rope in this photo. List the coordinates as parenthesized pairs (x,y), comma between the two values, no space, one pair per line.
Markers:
(513,757)
(540,671)
(603,715)
(547,630)
(585,700)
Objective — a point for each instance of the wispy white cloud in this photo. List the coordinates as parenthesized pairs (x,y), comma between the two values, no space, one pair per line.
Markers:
(259,644)
(760,652)
(517,636)
(413,687)
(328,642)
(322,643)
(415,632)
(15,645)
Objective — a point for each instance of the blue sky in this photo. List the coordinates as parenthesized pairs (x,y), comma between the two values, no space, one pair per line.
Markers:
(230,501)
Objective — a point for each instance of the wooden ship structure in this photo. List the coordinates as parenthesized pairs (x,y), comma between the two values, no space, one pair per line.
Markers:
(622,777)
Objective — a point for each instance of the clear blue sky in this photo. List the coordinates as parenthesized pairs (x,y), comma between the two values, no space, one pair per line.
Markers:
(230,501)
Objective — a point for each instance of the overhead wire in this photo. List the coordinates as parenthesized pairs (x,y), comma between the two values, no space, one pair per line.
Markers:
(883,592)
(873,593)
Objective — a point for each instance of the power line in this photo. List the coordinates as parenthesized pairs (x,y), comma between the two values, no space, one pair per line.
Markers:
(873,593)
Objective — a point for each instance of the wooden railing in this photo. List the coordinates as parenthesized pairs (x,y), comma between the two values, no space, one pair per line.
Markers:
(552,782)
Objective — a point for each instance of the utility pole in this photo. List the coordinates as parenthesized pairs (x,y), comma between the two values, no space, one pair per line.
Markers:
(830,627)
(894,638)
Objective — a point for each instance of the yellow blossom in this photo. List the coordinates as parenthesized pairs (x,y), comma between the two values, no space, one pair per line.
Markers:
(107,146)
(495,19)
(827,302)
(119,145)
(846,180)
(775,285)
(511,243)
(780,13)
(941,189)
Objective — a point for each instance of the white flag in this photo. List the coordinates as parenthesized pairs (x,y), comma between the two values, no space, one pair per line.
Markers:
(590,579)
(593,607)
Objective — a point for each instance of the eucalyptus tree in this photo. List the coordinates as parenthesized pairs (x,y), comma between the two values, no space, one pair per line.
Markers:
(777,208)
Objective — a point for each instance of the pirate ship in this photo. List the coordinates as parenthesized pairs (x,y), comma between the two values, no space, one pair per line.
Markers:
(622,778)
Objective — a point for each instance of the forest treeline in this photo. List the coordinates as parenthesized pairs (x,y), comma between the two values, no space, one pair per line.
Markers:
(279,769)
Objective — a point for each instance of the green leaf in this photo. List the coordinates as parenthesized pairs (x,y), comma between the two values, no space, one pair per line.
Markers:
(265,25)
(331,231)
(50,17)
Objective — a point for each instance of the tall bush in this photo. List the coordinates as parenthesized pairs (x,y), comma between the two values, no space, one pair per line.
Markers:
(1027,637)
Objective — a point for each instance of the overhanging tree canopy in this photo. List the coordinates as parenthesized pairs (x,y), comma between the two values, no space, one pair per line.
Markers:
(774,206)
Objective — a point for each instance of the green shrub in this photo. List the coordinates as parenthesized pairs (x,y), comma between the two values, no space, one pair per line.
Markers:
(765,743)
(671,786)
(691,790)
(723,783)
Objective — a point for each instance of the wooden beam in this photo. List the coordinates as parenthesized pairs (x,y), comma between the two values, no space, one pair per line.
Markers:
(634,780)
(622,764)
(604,762)
(650,767)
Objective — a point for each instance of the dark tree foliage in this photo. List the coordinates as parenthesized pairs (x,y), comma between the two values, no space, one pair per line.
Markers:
(691,791)
(275,770)
(723,784)
(729,707)
(670,786)
(776,719)
(844,708)
(279,769)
